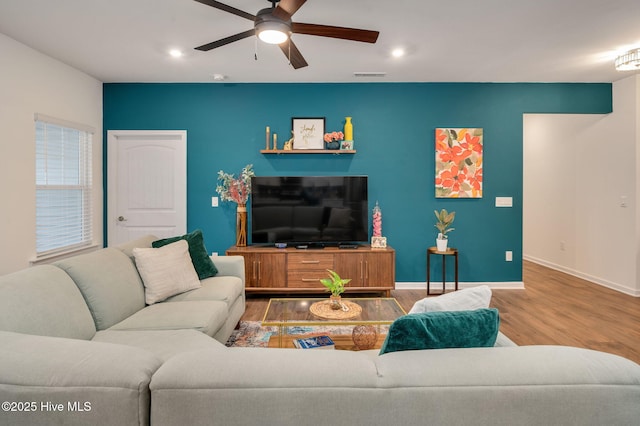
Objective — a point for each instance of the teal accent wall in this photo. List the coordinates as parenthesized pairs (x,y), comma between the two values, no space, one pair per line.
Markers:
(394,125)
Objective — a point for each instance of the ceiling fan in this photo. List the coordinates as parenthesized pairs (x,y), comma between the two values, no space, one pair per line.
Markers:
(273,25)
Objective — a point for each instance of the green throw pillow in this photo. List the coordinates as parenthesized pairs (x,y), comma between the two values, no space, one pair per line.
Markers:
(446,329)
(199,256)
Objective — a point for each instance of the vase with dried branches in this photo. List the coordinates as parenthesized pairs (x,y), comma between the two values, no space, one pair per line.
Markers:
(237,190)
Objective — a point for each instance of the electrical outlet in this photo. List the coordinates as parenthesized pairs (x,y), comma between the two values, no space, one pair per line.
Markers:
(214,201)
(508,256)
(562,246)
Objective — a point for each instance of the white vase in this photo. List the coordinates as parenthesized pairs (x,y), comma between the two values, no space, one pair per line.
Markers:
(441,244)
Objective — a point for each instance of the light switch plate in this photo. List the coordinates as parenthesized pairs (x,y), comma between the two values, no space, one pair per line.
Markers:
(504,202)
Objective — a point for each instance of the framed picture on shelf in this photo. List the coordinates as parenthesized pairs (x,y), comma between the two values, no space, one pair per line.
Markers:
(308,132)
(346,145)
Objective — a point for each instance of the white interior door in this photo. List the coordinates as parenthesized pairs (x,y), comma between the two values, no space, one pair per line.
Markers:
(146,184)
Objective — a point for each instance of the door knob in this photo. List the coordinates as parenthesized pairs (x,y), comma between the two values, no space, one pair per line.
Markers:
(121,219)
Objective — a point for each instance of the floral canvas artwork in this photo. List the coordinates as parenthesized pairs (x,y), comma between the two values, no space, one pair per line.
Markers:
(458,163)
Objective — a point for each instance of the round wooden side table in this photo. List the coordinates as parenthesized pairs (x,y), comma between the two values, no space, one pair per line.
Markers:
(450,252)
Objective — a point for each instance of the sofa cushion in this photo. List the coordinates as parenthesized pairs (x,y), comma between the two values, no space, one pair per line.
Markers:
(166,271)
(113,379)
(144,242)
(530,385)
(467,299)
(439,330)
(109,283)
(44,300)
(162,343)
(236,310)
(261,369)
(504,341)
(231,266)
(199,256)
(225,289)
(204,316)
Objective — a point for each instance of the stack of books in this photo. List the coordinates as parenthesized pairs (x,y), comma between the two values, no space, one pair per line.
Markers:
(314,342)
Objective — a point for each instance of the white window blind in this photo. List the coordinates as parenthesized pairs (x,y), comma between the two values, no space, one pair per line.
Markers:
(63,186)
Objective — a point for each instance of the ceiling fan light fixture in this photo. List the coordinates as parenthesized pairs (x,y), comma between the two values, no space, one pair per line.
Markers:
(270,29)
(272,36)
(273,25)
(628,61)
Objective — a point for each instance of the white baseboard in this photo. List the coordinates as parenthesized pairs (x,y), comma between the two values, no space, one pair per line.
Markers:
(587,277)
(437,286)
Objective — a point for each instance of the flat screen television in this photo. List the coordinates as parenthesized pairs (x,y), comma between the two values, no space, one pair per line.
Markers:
(313,211)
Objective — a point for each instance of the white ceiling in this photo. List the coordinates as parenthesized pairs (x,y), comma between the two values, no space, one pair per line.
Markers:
(452,41)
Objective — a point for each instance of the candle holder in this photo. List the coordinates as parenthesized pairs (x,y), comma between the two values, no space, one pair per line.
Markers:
(268,134)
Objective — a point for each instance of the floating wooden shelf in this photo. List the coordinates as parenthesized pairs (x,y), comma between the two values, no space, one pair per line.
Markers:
(308,151)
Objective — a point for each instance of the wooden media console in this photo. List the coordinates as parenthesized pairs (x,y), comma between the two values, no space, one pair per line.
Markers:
(291,270)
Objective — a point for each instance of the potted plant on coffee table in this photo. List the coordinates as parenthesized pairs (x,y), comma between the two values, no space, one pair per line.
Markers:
(445,219)
(335,285)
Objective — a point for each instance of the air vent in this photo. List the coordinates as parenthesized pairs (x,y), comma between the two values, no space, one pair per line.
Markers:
(378,74)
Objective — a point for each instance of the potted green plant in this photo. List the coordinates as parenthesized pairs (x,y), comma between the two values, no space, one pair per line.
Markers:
(445,219)
(335,285)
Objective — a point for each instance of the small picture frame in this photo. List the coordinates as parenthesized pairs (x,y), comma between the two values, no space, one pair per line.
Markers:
(346,145)
(308,132)
(379,242)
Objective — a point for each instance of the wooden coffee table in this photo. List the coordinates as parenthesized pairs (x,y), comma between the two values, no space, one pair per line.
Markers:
(372,312)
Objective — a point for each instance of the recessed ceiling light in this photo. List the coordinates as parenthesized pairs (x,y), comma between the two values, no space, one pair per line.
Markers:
(397,52)
(219,77)
(175,53)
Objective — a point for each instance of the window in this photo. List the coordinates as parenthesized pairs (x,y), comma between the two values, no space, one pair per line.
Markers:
(63,186)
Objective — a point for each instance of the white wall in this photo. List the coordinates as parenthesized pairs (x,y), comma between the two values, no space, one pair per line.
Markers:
(577,168)
(636,112)
(30,83)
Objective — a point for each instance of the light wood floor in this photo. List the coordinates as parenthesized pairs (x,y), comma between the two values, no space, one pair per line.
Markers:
(553,309)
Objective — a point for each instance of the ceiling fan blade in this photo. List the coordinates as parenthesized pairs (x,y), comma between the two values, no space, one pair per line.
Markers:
(227,8)
(286,8)
(354,34)
(293,54)
(226,40)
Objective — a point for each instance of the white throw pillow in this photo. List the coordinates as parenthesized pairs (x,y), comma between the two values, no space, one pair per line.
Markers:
(166,271)
(468,299)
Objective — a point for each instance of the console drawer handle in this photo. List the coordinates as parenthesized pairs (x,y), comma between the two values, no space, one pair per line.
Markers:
(310,261)
(310,280)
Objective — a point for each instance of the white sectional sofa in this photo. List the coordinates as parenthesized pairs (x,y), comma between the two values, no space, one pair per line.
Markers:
(79,331)
(79,346)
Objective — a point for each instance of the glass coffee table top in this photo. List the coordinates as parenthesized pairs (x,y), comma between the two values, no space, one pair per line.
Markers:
(299,312)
